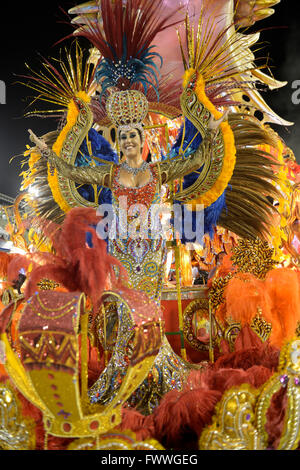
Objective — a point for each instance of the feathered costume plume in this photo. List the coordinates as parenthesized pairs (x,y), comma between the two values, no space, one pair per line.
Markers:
(242,206)
(59,84)
(124,40)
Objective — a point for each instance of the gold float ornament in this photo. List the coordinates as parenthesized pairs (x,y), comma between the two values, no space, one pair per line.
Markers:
(47,370)
(292,225)
(216,292)
(106,324)
(253,256)
(241,416)
(47,284)
(196,325)
(125,440)
(15,224)
(10,295)
(249,11)
(16,432)
(231,332)
(288,376)
(261,327)
(233,426)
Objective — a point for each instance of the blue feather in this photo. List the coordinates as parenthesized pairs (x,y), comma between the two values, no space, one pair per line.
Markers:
(213,212)
(101,149)
(141,68)
(88,239)
(211,218)
(124,55)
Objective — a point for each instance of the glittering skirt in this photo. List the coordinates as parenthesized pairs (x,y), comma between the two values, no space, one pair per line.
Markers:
(144,261)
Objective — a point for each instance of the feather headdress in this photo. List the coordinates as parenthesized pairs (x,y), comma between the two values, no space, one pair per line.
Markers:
(124,39)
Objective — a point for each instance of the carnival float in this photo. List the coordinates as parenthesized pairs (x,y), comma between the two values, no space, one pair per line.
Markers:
(151,299)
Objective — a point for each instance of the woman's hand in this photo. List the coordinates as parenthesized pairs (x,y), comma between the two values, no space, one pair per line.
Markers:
(213,124)
(46,152)
(38,142)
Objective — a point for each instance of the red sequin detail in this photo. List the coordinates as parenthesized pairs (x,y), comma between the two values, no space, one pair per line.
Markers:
(142,195)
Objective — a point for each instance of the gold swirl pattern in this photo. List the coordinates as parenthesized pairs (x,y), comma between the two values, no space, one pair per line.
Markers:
(241,417)
(16,432)
(233,426)
(151,269)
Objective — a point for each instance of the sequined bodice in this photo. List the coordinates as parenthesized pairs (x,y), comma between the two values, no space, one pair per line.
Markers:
(134,208)
(137,195)
(137,240)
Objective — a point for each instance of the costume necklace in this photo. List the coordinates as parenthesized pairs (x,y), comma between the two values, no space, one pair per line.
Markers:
(135,171)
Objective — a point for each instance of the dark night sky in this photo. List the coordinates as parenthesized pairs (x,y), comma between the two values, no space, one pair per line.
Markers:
(35,26)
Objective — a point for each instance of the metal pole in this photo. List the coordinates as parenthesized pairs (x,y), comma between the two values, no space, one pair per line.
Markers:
(211,346)
(178,287)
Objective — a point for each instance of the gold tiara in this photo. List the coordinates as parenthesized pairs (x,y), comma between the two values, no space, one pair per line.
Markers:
(127,109)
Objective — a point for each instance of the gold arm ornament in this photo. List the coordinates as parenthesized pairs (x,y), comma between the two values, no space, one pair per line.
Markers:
(178,167)
(62,156)
(100,175)
(208,159)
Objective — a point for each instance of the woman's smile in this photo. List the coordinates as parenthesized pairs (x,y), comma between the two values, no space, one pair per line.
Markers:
(130,143)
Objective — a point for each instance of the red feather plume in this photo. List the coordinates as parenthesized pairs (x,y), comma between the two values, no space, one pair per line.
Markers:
(139,21)
(76,265)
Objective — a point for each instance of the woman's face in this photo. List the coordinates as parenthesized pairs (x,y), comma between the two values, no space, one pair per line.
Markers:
(130,143)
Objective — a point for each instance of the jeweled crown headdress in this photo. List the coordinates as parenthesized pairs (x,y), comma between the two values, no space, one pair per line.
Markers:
(127,109)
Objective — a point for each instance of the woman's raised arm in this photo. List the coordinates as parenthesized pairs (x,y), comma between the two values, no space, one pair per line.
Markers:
(100,175)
